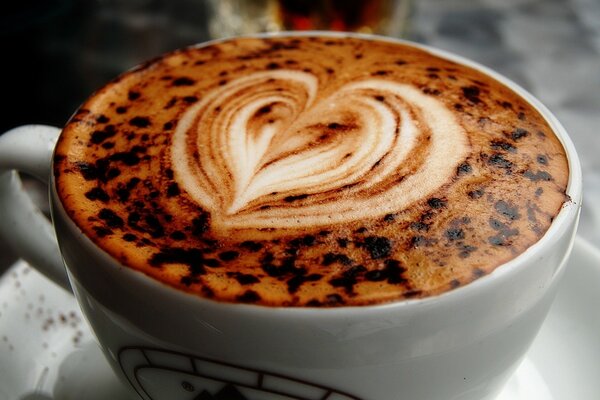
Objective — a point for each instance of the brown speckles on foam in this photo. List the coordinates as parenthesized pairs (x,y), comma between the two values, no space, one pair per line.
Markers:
(377,246)
(504,235)
(229,255)
(173,189)
(537,175)
(464,169)
(507,210)
(331,258)
(249,296)
(498,160)
(183,81)
(97,193)
(144,210)
(472,93)
(251,246)
(519,134)
(381,73)
(102,119)
(111,218)
(454,234)
(133,95)
(431,91)
(436,202)
(140,121)
(498,144)
(476,193)
(542,159)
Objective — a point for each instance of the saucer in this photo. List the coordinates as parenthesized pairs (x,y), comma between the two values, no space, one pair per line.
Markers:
(47,352)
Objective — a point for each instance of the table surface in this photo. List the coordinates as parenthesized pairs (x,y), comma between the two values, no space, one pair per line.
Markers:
(550,47)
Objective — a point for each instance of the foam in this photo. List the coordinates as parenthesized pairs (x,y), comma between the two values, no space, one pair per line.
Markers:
(310,171)
(248,160)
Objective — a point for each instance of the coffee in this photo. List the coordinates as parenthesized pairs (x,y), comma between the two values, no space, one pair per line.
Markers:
(310,171)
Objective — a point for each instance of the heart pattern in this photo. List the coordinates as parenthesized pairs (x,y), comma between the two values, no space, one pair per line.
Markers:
(275,150)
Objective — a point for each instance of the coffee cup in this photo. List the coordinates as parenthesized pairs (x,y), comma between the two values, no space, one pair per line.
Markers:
(392,224)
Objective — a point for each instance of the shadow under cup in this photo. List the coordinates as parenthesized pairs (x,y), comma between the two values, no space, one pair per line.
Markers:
(463,344)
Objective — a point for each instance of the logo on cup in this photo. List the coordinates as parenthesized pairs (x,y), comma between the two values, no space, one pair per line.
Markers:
(160,374)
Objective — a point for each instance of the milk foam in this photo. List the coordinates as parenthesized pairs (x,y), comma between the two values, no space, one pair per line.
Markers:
(269,150)
(310,172)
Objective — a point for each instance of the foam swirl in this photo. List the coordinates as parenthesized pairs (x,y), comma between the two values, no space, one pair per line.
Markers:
(275,150)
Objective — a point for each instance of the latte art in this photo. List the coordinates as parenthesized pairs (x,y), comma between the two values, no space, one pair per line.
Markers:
(310,171)
(260,152)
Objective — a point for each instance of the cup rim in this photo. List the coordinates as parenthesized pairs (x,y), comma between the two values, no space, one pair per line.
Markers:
(567,214)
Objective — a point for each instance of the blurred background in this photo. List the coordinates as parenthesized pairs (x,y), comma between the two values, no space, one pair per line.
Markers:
(55,53)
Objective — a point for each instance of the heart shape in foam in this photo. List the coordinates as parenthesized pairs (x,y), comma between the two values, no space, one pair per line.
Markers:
(274,150)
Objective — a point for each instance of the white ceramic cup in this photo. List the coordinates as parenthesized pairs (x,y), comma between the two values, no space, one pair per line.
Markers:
(166,344)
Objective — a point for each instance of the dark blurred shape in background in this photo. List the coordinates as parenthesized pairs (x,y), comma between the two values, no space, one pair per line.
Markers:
(57,52)
(239,17)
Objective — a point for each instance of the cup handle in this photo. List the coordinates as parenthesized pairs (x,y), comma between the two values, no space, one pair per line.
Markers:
(23,226)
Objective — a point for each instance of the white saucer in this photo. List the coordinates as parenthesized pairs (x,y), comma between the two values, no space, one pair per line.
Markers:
(47,352)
